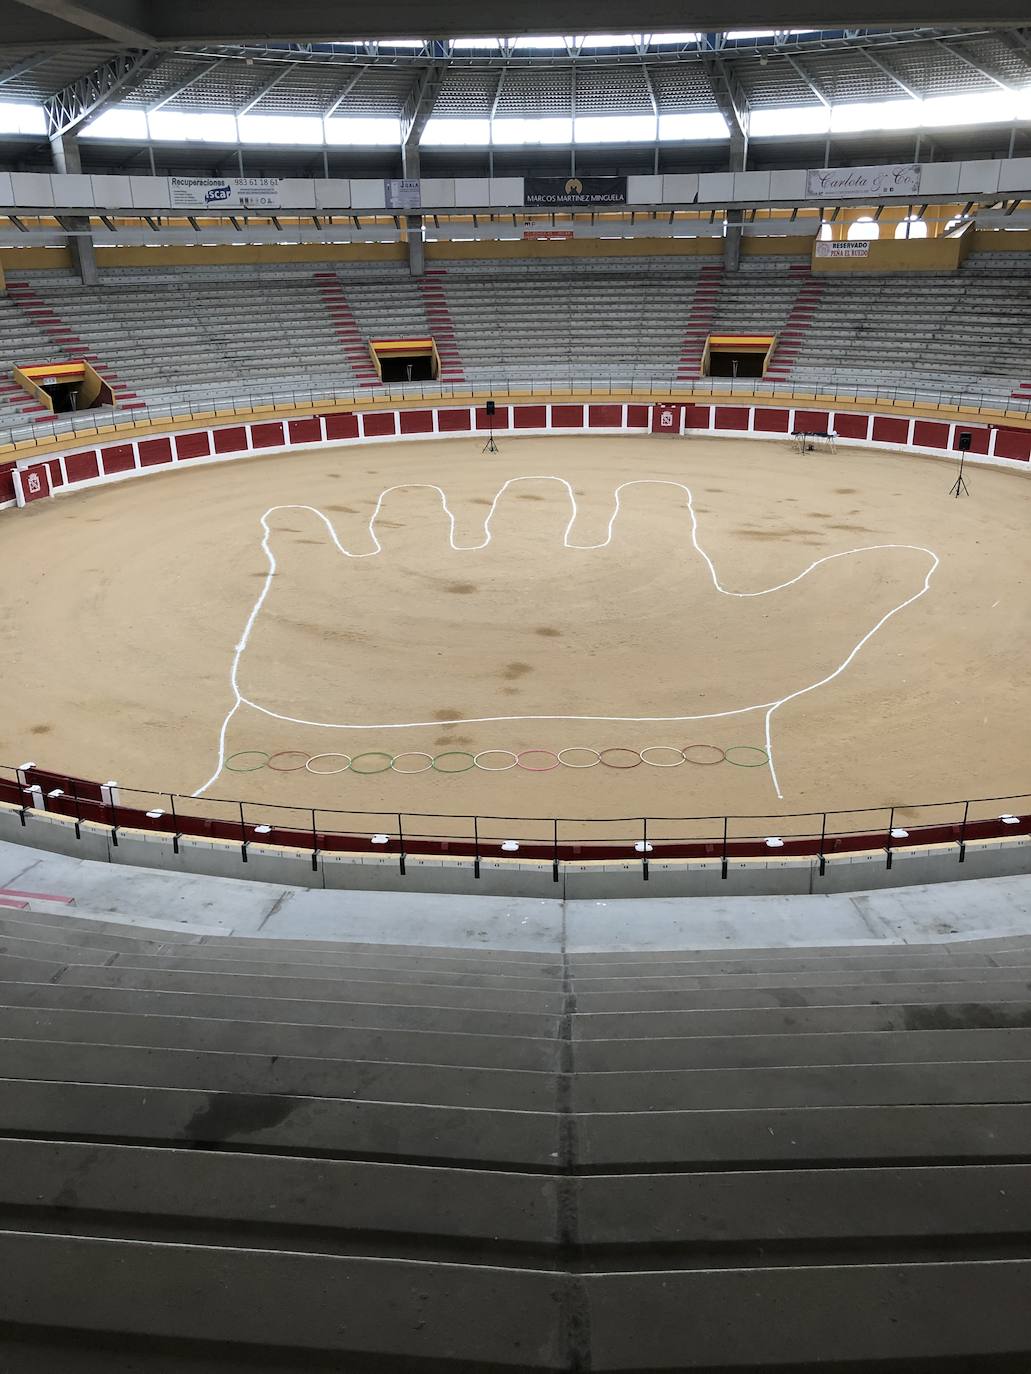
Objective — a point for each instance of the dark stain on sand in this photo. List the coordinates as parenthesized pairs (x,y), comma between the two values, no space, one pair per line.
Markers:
(512,672)
(460,588)
(548,632)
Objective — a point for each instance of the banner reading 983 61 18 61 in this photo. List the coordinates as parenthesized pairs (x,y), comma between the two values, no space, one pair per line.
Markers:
(230,193)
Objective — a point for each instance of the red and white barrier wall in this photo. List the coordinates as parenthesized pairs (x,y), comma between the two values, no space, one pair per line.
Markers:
(30,479)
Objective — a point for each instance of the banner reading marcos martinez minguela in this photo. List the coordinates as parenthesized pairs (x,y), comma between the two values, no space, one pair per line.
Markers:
(573,193)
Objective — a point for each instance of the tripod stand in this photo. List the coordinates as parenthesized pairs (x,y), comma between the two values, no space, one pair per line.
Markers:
(959,487)
(490,446)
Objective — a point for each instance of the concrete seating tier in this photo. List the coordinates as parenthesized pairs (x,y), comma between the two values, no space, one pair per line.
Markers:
(181,335)
(236,1153)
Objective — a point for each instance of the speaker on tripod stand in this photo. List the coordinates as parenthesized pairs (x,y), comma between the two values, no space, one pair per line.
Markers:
(959,487)
(490,446)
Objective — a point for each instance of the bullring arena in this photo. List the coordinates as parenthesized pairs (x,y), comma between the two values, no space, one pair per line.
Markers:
(515,624)
(591,626)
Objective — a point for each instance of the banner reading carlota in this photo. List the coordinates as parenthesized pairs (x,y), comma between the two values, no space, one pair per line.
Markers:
(563,193)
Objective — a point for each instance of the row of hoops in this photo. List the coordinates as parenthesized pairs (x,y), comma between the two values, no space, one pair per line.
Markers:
(529,760)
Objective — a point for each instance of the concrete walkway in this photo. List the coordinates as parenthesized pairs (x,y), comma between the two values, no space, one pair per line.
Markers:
(907,915)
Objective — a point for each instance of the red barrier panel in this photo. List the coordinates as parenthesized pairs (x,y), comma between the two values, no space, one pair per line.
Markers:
(341,426)
(1013,443)
(416,421)
(850,426)
(815,421)
(978,438)
(666,418)
(195,445)
(378,422)
(530,417)
(6,482)
(117,458)
(82,467)
(56,476)
(637,416)
(604,417)
(307,431)
(770,421)
(889,429)
(230,439)
(567,417)
(154,451)
(930,434)
(453,421)
(268,435)
(696,416)
(502,418)
(731,417)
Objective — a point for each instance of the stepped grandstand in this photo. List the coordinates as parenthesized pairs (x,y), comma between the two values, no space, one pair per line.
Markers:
(441,1055)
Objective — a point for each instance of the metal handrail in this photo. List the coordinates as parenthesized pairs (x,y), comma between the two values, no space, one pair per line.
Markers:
(813,835)
(197,406)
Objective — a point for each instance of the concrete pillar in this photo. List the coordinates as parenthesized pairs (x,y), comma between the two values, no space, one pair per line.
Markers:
(416,246)
(411,171)
(732,243)
(738,149)
(64,150)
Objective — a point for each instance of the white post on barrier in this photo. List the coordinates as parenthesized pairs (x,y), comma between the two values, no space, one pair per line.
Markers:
(23,773)
(36,799)
(109,794)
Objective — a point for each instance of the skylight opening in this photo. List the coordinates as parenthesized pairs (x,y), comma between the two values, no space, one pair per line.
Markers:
(17,117)
(522,132)
(692,128)
(456,133)
(357,132)
(616,129)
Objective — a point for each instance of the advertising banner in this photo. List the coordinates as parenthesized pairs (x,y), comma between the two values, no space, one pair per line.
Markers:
(574,193)
(859,249)
(228,193)
(403,195)
(858,183)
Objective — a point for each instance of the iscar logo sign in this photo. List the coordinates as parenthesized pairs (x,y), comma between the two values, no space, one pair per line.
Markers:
(217,193)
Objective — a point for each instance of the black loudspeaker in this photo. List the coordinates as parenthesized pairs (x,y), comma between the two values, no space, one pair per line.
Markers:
(491,408)
(963,440)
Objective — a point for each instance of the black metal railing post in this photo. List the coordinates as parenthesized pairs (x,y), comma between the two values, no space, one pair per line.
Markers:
(314,844)
(476,847)
(243,834)
(888,838)
(963,833)
(723,856)
(400,845)
(823,841)
(554,850)
(644,848)
(78,808)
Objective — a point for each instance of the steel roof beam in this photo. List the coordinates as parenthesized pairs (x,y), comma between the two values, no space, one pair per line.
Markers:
(84,99)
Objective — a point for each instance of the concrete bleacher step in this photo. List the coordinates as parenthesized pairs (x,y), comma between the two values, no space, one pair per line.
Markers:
(237,1153)
(460,1136)
(46,985)
(58,1019)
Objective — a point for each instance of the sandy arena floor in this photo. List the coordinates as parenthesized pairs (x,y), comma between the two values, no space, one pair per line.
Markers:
(121,610)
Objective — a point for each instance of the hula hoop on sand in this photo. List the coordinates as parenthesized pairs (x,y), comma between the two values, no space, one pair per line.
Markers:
(327,772)
(663,749)
(748,749)
(455,754)
(286,754)
(579,749)
(247,754)
(495,768)
(373,754)
(621,749)
(412,754)
(704,763)
(528,768)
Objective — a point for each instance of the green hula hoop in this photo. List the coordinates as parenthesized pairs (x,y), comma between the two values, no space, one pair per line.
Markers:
(454,754)
(750,749)
(243,754)
(373,754)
